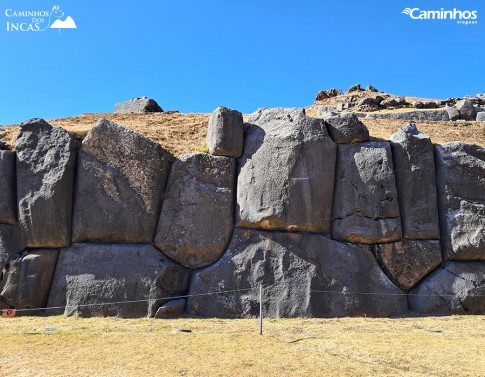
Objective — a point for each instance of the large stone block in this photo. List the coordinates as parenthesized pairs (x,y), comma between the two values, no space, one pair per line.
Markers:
(466,109)
(365,208)
(225,135)
(8,194)
(456,288)
(414,166)
(120,184)
(303,275)
(461,195)
(453,112)
(286,174)
(346,128)
(11,244)
(138,105)
(407,262)
(101,279)
(197,214)
(28,279)
(46,159)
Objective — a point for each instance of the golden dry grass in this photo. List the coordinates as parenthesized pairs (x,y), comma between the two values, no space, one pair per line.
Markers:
(178,133)
(439,346)
(185,133)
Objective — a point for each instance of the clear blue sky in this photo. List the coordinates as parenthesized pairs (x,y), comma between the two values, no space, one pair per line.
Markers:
(193,55)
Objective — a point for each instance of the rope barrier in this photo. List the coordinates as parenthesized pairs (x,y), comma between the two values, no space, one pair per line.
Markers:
(135,301)
(273,286)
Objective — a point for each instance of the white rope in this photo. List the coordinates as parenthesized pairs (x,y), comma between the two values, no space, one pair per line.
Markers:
(277,286)
(134,301)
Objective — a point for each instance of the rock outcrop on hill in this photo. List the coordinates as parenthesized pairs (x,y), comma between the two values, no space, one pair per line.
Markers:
(329,222)
(138,105)
(380,105)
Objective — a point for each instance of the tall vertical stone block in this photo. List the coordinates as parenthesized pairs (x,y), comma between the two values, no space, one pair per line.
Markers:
(365,208)
(461,193)
(46,158)
(414,166)
(286,173)
(8,195)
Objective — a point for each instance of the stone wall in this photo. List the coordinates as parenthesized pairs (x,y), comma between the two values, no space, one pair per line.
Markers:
(329,222)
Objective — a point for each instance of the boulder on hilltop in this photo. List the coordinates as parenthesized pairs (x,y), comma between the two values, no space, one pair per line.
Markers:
(138,105)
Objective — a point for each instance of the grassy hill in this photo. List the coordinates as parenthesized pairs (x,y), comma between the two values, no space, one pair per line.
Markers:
(185,133)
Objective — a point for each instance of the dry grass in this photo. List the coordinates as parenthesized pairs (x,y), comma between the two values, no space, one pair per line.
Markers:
(185,133)
(178,133)
(440,132)
(445,346)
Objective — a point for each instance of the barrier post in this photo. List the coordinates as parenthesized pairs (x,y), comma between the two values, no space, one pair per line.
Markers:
(261,309)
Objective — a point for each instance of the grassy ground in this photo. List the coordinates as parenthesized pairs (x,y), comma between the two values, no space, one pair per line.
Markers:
(185,133)
(445,346)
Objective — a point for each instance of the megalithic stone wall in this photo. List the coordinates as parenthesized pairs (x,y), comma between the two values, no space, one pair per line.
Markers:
(329,222)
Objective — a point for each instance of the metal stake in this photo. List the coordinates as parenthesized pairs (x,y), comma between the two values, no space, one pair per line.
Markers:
(261,309)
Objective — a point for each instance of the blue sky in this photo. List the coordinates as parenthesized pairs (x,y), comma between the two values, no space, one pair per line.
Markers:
(194,55)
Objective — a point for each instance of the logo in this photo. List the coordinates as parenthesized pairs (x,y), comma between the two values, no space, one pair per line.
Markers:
(38,20)
(464,17)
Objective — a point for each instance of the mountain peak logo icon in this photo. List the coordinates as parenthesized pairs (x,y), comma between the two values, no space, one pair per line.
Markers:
(68,23)
(57,14)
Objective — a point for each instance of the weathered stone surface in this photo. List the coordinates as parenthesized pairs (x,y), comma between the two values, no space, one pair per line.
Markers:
(324,110)
(394,102)
(8,194)
(197,215)
(466,109)
(430,105)
(481,116)
(287,172)
(171,309)
(346,128)
(371,88)
(461,196)
(367,101)
(99,274)
(414,166)
(355,88)
(418,115)
(365,208)
(456,288)
(120,183)
(138,105)
(294,268)
(28,279)
(11,244)
(225,135)
(46,158)
(407,262)
(453,112)
(329,93)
